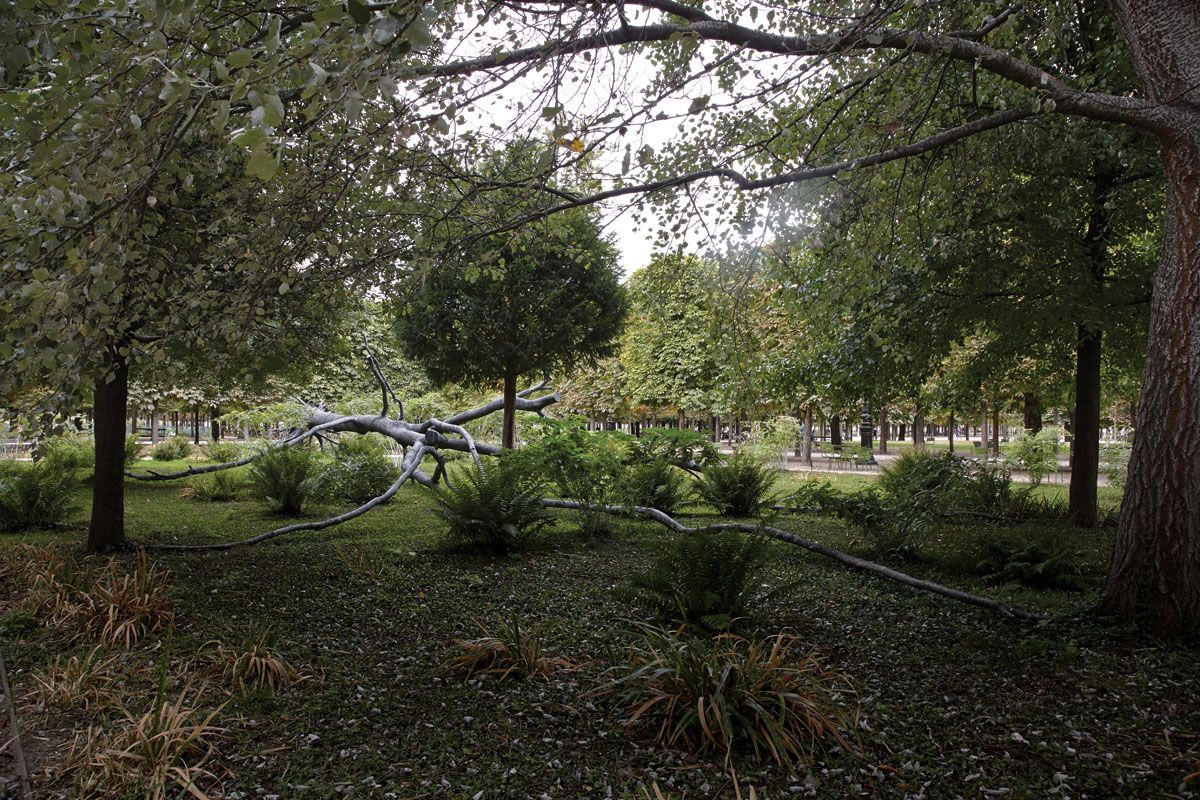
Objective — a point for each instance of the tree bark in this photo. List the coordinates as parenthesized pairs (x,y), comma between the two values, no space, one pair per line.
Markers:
(1033,413)
(106,532)
(918,431)
(196,425)
(883,430)
(996,428)
(154,425)
(950,432)
(983,429)
(508,438)
(1085,430)
(808,435)
(835,432)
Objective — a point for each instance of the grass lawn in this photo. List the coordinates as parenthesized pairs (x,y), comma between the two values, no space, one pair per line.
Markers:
(952,701)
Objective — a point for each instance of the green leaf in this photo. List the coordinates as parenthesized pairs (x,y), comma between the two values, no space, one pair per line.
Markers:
(358,11)
(550,112)
(698,104)
(262,163)
(240,58)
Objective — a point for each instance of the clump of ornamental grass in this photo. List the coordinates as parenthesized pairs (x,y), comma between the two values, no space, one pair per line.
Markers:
(719,694)
(90,683)
(507,649)
(253,665)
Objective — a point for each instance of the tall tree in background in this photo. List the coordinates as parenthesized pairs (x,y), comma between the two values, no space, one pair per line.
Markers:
(519,304)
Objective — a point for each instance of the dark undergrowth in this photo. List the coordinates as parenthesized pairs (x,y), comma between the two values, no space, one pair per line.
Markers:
(953,701)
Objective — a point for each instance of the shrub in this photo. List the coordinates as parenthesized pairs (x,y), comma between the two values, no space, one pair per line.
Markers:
(706,578)
(1035,453)
(216,487)
(174,449)
(673,445)
(494,512)
(133,451)
(737,488)
(657,484)
(224,452)
(513,650)
(1038,561)
(360,477)
(352,445)
(933,476)
(33,495)
(818,494)
(286,478)
(717,694)
(68,453)
(582,466)
(1114,463)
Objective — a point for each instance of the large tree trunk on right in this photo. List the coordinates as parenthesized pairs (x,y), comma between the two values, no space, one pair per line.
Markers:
(1085,431)
(106,532)
(1155,573)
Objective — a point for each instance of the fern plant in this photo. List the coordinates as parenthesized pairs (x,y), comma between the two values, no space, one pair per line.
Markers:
(33,495)
(658,484)
(495,512)
(737,488)
(286,478)
(707,578)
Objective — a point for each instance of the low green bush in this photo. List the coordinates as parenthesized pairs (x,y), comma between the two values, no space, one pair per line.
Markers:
(69,453)
(673,445)
(216,487)
(738,487)
(175,448)
(133,451)
(33,495)
(719,694)
(707,578)
(1034,559)
(352,445)
(493,512)
(657,484)
(1114,462)
(224,452)
(286,478)
(1036,453)
(360,477)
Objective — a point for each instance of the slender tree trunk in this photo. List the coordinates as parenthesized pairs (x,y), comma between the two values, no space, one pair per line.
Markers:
(508,439)
(106,532)
(919,432)
(835,432)
(1085,430)
(154,425)
(903,432)
(950,432)
(808,435)
(883,430)
(196,425)
(983,428)
(996,428)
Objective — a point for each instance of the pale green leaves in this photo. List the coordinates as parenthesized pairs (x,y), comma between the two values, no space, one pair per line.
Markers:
(262,163)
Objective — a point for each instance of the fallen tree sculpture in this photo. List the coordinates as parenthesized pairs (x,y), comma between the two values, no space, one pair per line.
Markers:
(430,437)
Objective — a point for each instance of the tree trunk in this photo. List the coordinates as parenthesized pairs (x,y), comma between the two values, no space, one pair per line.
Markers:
(1033,413)
(996,428)
(1155,573)
(983,429)
(835,432)
(196,425)
(919,432)
(1085,430)
(903,431)
(508,439)
(808,422)
(950,432)
(154,425)
(883,430)
(106,532)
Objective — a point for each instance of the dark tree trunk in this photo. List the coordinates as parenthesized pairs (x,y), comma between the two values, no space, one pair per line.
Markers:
(903,431)
(508,439)
(808,435)
(1155,573)
(1085,430)
(996,428)
(1033,413)
(919,431)
(106,532)
(196,425)
(883,430)
(835,431)
(950,432)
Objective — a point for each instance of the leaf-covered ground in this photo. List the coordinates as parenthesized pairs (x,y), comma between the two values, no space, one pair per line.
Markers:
(955,701)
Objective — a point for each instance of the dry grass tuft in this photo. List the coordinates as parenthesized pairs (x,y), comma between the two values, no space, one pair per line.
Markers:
(165,752)
(254,665)
(90,684)
(511,651)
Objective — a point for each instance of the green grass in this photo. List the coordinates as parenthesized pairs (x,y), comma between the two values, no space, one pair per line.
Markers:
(374,607)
